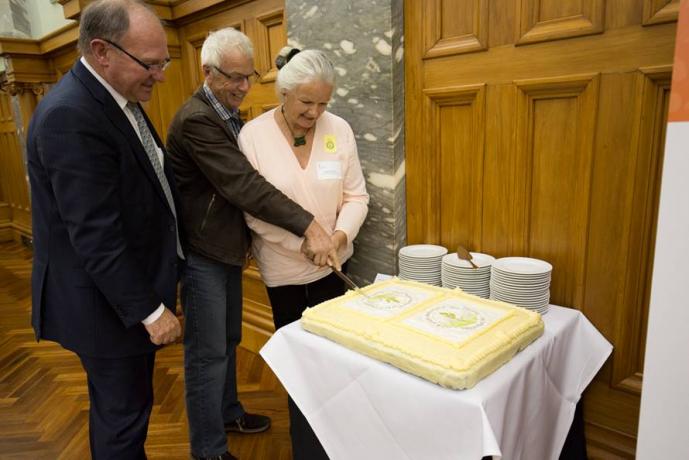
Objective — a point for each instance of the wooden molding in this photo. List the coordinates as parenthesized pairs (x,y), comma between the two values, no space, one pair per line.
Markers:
(257,317)
(432,179)
(531,29)
(24,46)
(603,443)
(169,10)
(653,93)
(6,232)
(61,38)
(5,213)
(606,53)
(18,88)
(438,45)
(183,9)
(265,51)
(660,11)
(541,170)
(72,8)
(29,69)
(20,229)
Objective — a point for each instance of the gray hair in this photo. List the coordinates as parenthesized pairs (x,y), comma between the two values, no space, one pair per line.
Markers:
(303,67)
(219,42)
(106,19)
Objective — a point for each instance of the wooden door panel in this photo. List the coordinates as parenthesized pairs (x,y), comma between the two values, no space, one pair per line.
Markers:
(455,26)
(270,38)
(660,11)
(454,122)
(458,116)
(555,122)
(548,143)
(543,20)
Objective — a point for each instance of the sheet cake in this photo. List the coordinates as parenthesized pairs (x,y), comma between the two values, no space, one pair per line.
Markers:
(446,336)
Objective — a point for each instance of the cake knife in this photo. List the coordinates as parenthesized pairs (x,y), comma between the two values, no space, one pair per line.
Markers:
(348,281)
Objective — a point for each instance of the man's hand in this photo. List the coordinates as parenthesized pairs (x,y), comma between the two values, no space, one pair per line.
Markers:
(317,244)
(165,329)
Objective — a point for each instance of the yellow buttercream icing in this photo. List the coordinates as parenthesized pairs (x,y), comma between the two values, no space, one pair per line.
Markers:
(445,336)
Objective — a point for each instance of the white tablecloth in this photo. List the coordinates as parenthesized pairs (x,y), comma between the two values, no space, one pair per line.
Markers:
(361,408)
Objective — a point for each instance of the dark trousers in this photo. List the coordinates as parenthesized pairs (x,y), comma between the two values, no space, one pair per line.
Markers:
(288,303)
(121,397)
(575,444)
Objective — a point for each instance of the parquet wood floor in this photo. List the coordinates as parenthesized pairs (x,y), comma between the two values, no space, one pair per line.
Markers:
(44,400)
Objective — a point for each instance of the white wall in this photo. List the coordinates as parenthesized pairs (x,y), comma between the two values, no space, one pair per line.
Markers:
(664,420)
(45,17)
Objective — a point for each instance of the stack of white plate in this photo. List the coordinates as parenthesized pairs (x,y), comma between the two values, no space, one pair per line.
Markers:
(458,273)
(522,281)
(421,262)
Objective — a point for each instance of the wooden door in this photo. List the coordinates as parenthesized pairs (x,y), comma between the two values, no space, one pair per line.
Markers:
(536,128)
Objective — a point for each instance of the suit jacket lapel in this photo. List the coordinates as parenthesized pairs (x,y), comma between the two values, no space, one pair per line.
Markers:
(121,122)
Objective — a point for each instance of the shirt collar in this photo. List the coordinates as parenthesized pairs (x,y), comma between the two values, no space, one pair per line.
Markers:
(223,112)
(119,99)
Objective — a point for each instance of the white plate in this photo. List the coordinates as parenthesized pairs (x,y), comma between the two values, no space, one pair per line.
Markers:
(523,265)
(520,284)
(423,251)
(482,260)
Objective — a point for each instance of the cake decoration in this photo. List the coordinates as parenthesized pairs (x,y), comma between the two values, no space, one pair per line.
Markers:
(445,336)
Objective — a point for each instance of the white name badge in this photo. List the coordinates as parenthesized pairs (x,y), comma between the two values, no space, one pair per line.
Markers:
(328,170)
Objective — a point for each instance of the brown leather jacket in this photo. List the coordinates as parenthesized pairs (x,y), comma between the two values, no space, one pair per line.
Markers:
(217,184)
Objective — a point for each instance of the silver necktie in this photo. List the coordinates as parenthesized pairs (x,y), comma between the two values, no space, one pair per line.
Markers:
(149,147)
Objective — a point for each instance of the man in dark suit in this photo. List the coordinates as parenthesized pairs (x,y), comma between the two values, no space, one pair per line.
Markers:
(106,243)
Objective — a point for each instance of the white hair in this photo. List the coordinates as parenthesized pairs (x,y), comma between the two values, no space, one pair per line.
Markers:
(303,67)
(220,42)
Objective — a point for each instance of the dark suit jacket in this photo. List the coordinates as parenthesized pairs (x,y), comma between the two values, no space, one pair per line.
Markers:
(218,184)
(104,236)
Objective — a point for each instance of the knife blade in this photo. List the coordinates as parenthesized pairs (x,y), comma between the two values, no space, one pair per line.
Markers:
(348,281)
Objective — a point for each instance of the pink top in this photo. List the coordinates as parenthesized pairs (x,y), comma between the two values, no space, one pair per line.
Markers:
(331,187)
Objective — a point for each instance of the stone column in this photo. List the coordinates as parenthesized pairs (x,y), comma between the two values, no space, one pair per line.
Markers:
(364,39)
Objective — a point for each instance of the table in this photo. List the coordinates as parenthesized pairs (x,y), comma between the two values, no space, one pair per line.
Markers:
(361,408)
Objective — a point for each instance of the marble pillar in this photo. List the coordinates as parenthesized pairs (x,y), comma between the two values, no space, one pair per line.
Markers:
(364,39)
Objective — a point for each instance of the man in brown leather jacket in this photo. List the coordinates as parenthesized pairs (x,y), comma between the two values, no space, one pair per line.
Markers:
(217,184)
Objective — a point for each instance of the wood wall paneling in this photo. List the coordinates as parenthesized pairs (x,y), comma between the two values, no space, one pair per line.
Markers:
(543,20)
(565,167)
(660,11)
(556,120)
(455,26)
(653,92)
(617,50)
(271,36)
(12,171)
(456,128)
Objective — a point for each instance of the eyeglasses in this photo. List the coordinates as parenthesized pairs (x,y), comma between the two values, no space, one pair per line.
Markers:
(238,78)
(158,66)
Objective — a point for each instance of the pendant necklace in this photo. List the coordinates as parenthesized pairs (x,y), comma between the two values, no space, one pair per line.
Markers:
(298,140)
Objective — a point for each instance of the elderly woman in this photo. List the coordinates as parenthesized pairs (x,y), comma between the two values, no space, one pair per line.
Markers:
(311,156)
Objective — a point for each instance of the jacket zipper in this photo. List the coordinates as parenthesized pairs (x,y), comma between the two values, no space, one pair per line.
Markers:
(208,211)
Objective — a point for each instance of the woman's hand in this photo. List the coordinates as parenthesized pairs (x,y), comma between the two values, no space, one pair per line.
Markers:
(339,239)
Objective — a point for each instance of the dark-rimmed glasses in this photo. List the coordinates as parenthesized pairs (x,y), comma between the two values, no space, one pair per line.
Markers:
(160,66)
(238,78)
